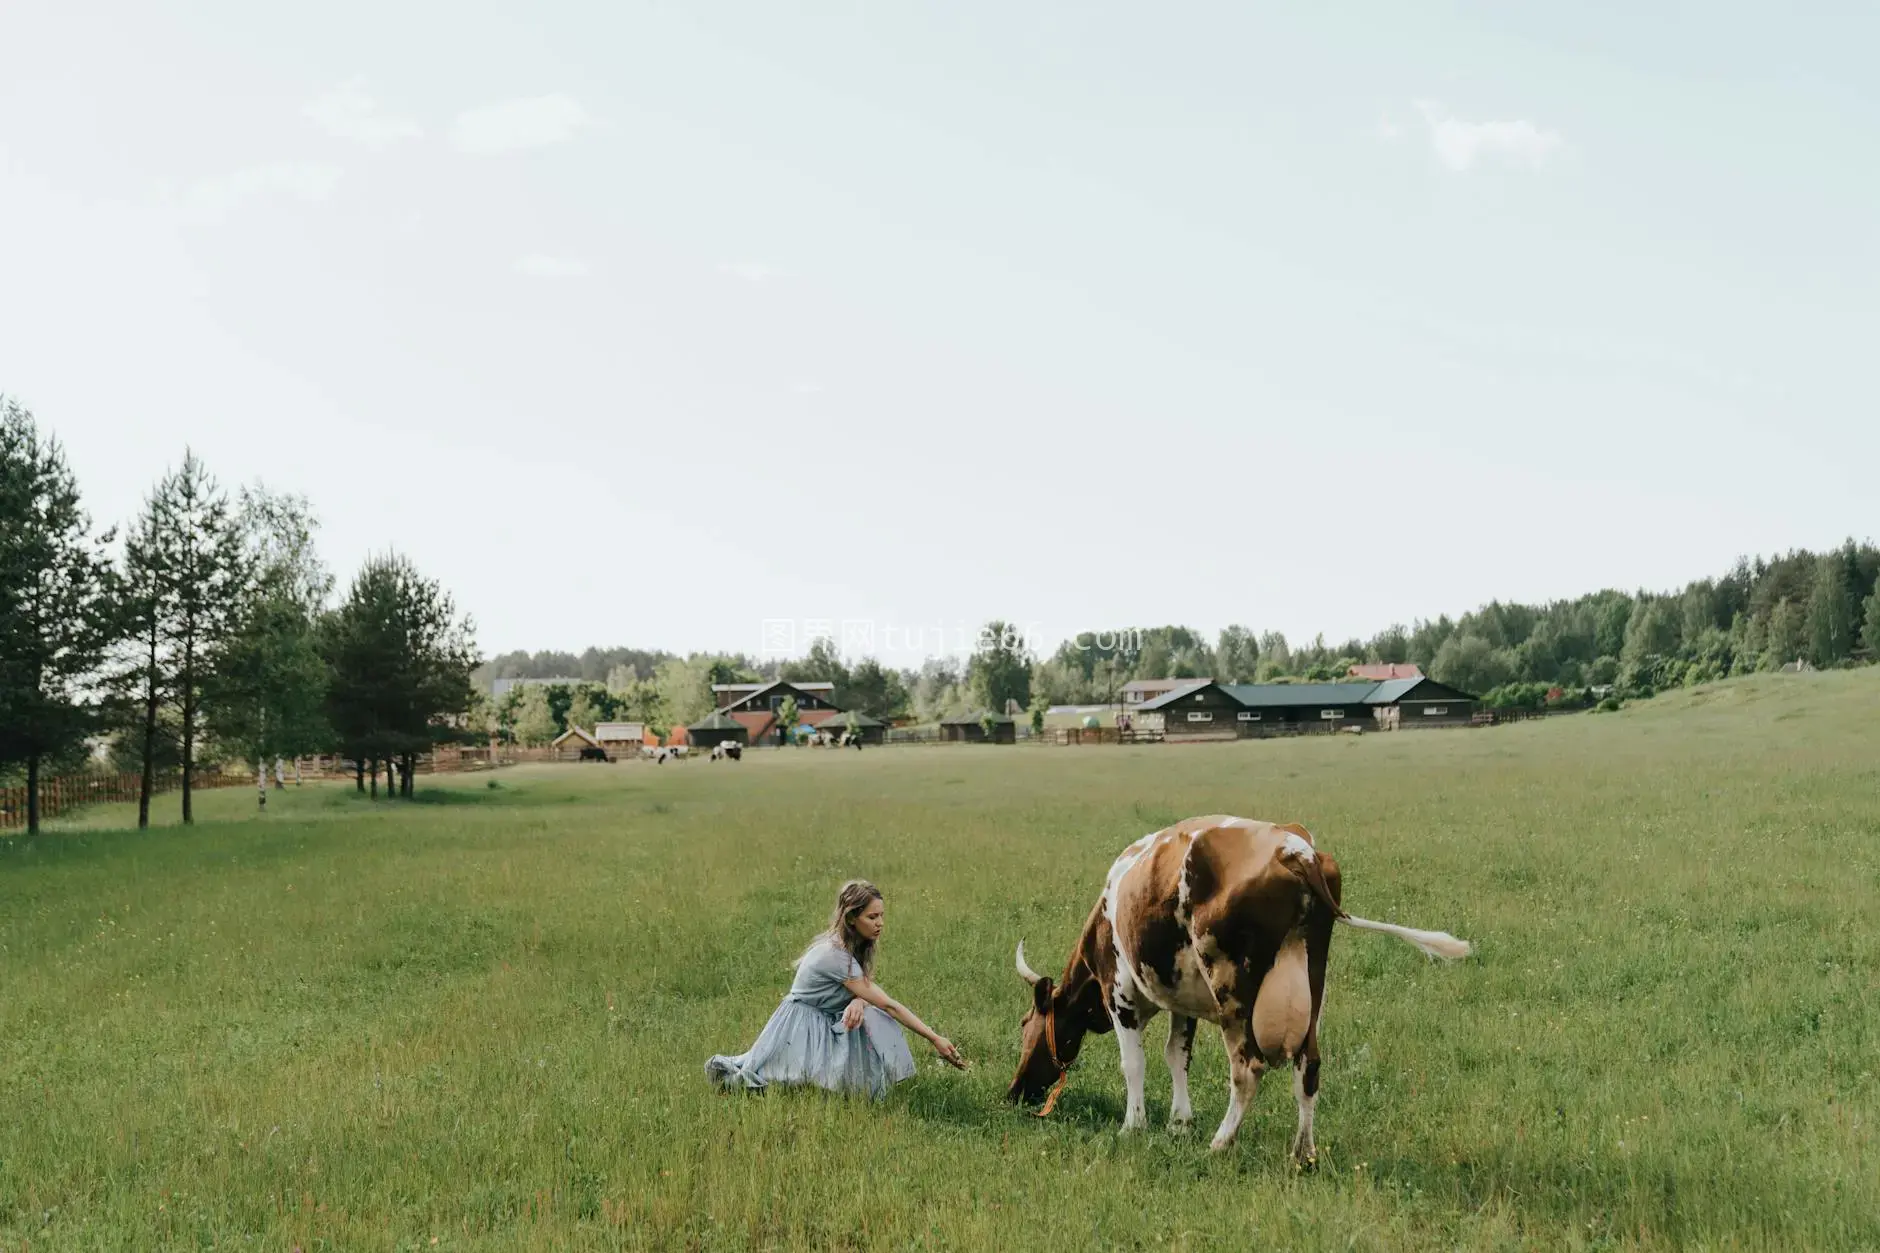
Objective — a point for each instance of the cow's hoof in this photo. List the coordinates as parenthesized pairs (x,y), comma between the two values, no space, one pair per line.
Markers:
(1307,1162)
(1181,1126)
(1218,1144)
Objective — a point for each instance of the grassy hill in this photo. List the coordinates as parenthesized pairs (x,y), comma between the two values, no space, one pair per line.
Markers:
(479,1020)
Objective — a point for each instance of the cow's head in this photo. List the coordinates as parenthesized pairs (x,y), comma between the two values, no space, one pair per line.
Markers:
(1038,1069)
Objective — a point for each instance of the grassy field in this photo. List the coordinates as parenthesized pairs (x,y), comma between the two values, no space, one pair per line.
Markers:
(478,1020)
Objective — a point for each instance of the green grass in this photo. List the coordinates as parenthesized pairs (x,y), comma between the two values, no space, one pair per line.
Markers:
(481,1020)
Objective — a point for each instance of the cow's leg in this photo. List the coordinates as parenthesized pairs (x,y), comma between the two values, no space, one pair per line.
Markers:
(1306,1093)
(1181,1046)
(1129,1015)
(1244,1068)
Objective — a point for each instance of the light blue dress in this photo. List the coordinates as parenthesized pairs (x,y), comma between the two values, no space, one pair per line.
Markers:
(805,1043)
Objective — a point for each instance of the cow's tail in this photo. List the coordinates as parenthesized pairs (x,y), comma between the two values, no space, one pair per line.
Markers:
(1435,943)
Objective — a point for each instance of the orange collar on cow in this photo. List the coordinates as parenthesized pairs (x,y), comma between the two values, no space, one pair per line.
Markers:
(1064,1072)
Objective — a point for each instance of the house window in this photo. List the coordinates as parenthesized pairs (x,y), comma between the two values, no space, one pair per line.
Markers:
(1435,711)
(1331,715)
(1199,695)
(1200,715)
(1248,717)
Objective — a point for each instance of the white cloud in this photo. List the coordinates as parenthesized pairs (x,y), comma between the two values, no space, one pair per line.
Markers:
(1387,128)
(516,124)
(749,271)
(537,265)
(1462,145)
(808,387)
(347,112)
(217,196)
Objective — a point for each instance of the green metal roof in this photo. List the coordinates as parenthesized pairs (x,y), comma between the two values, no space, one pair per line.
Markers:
(1300,695)
(1150,706)
(974,719)
(1393,690)
(717,720)
(1275,695)
(860,719)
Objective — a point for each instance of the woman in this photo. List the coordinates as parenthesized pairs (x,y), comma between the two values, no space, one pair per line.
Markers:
(836,1029)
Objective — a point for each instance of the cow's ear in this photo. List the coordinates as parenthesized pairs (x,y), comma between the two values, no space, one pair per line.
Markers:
(1041,995)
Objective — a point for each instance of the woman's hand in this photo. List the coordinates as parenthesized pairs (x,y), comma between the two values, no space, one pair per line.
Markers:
(951,1055)
(852,1016)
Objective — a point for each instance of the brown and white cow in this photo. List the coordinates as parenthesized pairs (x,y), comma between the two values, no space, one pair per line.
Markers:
(1218,918)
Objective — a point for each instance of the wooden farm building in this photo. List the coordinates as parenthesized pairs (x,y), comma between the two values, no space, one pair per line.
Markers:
(858,725)
(755,706)
(971,729)
(568,745)
(623,738)
(1227,711)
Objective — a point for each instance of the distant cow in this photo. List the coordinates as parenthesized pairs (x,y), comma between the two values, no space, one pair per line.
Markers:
(1218,918)
(595,754)
(727,748)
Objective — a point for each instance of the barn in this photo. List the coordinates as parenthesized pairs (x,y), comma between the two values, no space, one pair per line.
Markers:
(1226,711)
(756,706)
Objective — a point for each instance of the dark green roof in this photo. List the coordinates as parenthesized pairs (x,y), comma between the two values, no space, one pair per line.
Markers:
(1390,691)
(717,720)
(974,719)
(1169,698)
(1300,695)
(859,718)
(1272,695)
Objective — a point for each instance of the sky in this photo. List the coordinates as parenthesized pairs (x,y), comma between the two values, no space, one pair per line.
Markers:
(713,325)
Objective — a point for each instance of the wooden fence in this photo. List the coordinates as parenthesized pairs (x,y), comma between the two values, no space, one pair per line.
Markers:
(60,794)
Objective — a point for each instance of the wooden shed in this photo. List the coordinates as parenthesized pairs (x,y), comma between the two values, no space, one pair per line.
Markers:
(866,729)
(717,728)
(971,729)
(568,745)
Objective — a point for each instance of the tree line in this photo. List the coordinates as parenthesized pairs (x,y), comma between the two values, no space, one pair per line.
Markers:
(1821,609)
(204,632)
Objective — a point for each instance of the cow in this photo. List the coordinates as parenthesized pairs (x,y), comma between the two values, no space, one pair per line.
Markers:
(595,754)
(727,748)
(1218,918)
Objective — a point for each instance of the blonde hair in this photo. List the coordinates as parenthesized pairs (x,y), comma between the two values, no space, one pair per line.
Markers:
(856,895)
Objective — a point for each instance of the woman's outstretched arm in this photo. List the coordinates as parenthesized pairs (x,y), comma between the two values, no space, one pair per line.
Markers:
(868,990)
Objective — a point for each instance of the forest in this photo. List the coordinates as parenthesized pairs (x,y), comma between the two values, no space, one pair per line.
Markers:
(1605,647)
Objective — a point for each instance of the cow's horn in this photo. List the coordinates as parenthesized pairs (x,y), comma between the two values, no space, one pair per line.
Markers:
(1025,972)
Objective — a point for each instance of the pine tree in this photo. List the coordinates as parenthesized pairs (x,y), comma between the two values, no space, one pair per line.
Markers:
(201,563)
(1870,632)
(54,603)
(141,676)
(400,662)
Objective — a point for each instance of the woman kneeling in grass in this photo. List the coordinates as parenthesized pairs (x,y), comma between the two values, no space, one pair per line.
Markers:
(836,1029)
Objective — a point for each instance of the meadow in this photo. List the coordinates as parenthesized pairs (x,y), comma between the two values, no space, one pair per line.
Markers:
(478,1020)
